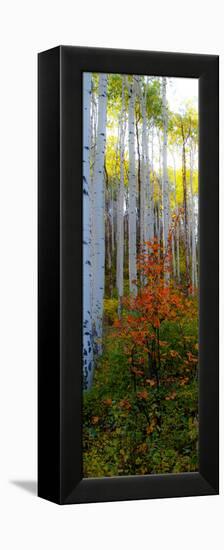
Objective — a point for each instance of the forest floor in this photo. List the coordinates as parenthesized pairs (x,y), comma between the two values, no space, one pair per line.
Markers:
(131,424)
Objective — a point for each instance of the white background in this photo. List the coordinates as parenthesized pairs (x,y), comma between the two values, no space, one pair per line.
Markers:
(27,27)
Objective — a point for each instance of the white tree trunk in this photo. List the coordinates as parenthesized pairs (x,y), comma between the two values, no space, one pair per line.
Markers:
(132,192)
(173,255)
(165,183)
(151,194)
(177,223)
(99,215)
(194,280)
(87,286)
(120,207)
(142,190)
(160,232)
(93,134)
(112,220)
(146,193)
(146,204)
(165,173)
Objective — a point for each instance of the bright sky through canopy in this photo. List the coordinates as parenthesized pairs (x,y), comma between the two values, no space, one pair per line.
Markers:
(180,91)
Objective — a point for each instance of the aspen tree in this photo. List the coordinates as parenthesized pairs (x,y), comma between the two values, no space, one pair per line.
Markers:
(132,190)
(87,286)
(120,205)
(98,214)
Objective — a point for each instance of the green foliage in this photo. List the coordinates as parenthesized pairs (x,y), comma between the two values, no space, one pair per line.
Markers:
(136,420)
(110,310)
(183,125)
(154,101)
(143,430)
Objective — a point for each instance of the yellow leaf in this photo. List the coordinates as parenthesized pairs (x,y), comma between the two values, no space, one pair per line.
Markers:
(143,447)
(95,419)
(150,382)
(150,427)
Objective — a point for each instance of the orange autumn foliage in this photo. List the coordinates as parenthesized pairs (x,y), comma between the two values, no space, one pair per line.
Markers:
(157,300)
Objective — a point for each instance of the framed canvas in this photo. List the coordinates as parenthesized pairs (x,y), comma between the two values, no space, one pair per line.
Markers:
(128,275)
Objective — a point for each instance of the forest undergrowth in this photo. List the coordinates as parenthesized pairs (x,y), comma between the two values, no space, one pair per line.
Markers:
(141,414)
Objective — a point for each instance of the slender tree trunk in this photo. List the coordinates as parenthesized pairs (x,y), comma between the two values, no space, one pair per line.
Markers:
(177,225)
(108,255)
(112,220)
(151,186)
(132,192)
(193,236)
(98,214)
(158,223)
(160,196)
(178,252)
(147,200)
(143,188)
(87,286)
(138,235)
(165,187)
(173,255)
(120,209)
(184,179)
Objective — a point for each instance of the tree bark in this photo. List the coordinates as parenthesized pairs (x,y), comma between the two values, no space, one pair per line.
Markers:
(194,280)
(165,183)
(120,207)
(132,191)
(87,272)
(147,224)
(184,179)
(98,215)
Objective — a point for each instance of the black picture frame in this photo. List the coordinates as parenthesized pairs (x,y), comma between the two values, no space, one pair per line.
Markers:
(60,274)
